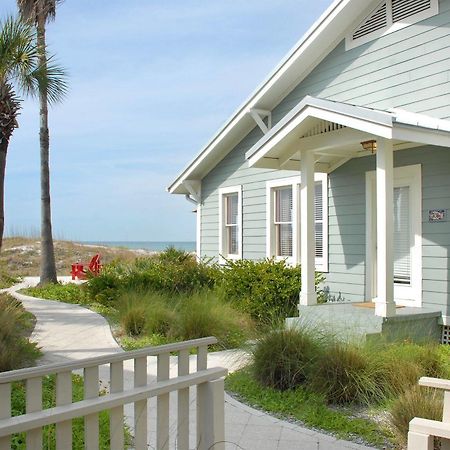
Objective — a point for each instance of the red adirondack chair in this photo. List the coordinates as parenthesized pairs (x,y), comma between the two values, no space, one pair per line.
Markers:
(94,267)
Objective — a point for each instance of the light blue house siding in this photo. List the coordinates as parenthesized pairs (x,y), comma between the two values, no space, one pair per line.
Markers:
(347,225)
(408,69)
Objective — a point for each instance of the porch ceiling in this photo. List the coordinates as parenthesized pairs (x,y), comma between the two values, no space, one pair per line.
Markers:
(334,132)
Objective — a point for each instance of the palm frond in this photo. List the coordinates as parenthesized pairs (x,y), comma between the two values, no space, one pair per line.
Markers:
(52,78)
(18,52)
(30,10)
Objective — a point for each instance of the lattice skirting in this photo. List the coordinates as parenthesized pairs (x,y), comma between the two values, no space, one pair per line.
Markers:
(446,334)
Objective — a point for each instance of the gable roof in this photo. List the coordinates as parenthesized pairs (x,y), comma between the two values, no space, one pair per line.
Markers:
(316,44)
(394,124)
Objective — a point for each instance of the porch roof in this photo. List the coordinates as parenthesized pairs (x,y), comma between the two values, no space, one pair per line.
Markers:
(334,131)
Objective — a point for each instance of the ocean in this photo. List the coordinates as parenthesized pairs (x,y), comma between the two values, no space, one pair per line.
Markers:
(154,246)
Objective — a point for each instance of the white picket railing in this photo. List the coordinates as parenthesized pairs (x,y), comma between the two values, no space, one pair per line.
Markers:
(210,400)
(423,431)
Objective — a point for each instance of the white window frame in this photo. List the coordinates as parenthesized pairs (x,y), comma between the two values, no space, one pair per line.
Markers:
(404,295)
(223,244)
(271,185)
(294,182)
(390,27)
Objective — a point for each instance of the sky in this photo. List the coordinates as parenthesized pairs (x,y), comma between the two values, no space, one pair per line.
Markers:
(150,82)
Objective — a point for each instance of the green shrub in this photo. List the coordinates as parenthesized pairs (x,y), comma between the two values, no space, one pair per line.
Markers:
(105,288)
(147,312)
(415,402)
(69,293)
(402,364)
(345,373)
(16,350)
(171,272)
(134,321)
(267,290)
(283,359)
(203,314)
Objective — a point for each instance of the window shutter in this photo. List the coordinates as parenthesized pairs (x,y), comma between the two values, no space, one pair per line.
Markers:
(402,236)
(403,9)
(318,213)
(376,21)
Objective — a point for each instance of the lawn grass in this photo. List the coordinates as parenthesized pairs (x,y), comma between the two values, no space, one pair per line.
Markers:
(308,408)
(48,388)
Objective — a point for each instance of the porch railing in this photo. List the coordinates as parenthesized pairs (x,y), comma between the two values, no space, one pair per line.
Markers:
(423,431)
(209,403)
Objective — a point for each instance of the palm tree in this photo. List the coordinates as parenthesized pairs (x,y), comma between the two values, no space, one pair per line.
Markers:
(39,12)
(20,72)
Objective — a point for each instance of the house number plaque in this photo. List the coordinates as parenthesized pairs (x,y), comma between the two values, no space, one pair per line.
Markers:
(437,215)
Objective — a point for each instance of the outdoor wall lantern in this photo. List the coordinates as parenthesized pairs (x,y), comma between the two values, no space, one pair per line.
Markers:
(369,146)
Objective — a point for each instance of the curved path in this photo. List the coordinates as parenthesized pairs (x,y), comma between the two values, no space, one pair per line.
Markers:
(67,332)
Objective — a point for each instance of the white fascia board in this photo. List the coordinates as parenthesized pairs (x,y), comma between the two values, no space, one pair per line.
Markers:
(420,120)
(420,135)
(317,42)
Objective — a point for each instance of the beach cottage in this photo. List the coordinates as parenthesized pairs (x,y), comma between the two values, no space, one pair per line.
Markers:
(340,162)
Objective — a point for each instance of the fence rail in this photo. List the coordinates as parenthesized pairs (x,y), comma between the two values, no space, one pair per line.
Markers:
(210,400)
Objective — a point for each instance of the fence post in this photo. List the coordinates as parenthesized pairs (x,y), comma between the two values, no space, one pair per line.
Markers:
(418,441)
(5,412)
(211,415)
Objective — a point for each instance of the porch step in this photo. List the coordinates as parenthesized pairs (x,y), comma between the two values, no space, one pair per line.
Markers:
(351,323)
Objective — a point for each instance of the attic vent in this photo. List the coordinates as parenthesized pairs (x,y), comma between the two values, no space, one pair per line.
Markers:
(376,21)
(403,9)
(390,16)
(323,127)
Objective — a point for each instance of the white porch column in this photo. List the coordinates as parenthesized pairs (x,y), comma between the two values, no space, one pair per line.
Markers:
(385,306)
(308,294)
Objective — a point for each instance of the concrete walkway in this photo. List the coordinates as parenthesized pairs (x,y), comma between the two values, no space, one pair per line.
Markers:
(67,332)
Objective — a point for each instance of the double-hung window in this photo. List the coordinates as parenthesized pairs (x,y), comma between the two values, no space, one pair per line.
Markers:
(230,231)
(283,204)
(284,221)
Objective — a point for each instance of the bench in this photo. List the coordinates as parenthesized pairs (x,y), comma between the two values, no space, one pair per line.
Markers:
(423,431)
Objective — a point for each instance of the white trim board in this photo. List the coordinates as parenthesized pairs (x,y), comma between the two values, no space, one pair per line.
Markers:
(403,176)
(321,263)
(222,192)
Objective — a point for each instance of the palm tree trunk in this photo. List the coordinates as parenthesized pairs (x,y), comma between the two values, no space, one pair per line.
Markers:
(48,266)
(9,109)
(3,151)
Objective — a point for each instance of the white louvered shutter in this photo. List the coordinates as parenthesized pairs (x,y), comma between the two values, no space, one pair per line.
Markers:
(283,221)
(318,216)
(402,235)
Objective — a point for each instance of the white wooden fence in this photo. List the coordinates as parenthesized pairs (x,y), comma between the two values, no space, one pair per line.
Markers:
(423,431)
(210,400)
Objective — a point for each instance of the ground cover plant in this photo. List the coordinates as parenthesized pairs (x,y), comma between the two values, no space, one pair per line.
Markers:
(16,324)
(68,293)
(343,387)
(18,402)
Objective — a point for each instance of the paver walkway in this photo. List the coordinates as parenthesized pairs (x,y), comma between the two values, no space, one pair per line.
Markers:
(70,332)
